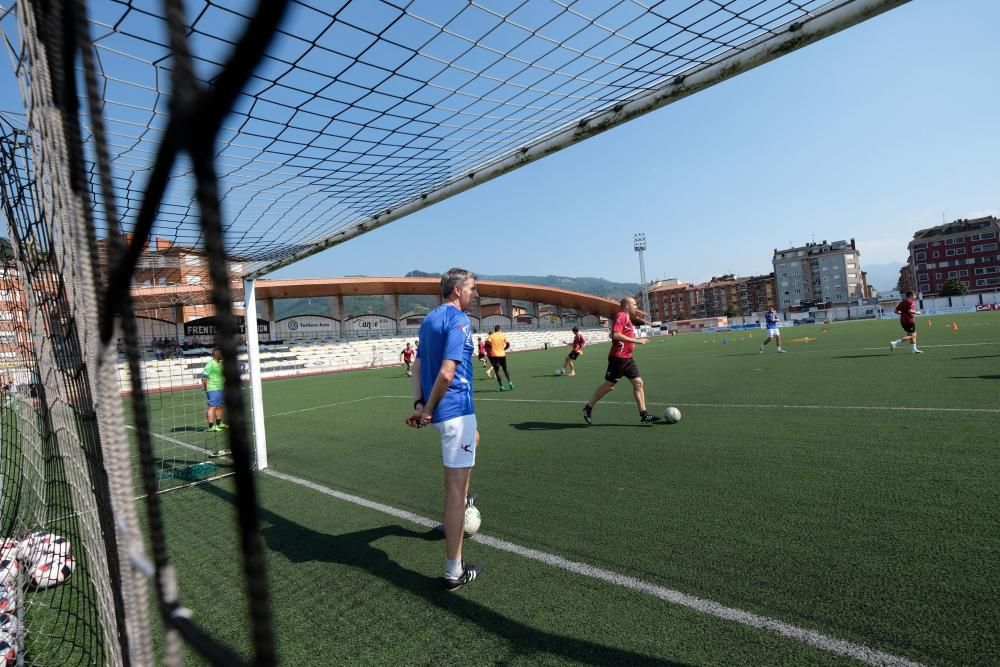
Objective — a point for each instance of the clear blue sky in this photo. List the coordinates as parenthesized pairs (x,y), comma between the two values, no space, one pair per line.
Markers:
(869,134)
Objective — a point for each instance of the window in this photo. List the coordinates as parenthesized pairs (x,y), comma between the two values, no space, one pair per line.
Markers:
(925,287)
(985,247)
(190,260)
(936,254)
(922,276)
(959,251)
(983,282)
(921,266)
(953,274)
(192,280)
(949,241)
(938,275)
(988,235)
(963,273)
(852,266)
(919,246)
(987,269)
(852,275)
(949,253)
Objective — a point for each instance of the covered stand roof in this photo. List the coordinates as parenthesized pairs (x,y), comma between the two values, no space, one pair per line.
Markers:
(162,297)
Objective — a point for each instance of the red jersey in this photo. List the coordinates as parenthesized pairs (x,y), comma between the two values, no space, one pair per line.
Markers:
(482,347)
(905,310)
(408,353)
(620,348)
(578,342)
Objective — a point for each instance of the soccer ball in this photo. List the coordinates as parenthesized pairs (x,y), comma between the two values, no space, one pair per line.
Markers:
(8,572)
(472,520)
(559,371)
(41,545)
(8,648)
(51,572)
(672,415)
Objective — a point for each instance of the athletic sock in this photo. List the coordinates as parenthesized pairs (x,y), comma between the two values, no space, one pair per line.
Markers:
(643,413)
(453,568)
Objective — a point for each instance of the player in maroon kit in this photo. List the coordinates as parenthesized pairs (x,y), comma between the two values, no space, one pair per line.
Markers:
(621,364)
(407,356)
(569,366)
(907,311)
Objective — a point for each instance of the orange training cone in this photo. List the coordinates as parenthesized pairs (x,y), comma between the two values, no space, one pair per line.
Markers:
(954,327)
(928,323)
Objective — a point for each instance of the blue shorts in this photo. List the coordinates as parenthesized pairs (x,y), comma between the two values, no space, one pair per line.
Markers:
(215,398)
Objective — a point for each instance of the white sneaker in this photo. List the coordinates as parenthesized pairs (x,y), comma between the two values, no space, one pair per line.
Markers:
(762,350)
(916,351)
(892,346)
(781,351)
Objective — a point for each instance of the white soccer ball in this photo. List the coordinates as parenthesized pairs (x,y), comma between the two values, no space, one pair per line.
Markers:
(8,648)
(559,371)
(9,570)
(10,550)
(41,545)
(672,415)
(472,521)
(52,572)
(9,624)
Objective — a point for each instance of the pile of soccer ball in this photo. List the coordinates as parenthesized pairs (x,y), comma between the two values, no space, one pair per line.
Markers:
(45,557)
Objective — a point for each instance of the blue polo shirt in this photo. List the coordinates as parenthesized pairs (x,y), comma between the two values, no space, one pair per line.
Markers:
(772,319)
(446,333)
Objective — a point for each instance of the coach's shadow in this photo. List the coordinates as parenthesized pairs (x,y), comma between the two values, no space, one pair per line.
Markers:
(301,544)
(561,426)
(975,377)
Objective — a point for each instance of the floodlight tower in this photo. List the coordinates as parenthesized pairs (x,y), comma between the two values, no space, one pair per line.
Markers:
(639,245)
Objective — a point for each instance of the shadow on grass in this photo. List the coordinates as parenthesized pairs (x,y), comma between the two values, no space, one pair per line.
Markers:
(981,356)
(862,356)
(300,544)
(975,377)
(187,428)
(560,426)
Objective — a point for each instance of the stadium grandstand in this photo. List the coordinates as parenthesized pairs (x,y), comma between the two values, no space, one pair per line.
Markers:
(308,326)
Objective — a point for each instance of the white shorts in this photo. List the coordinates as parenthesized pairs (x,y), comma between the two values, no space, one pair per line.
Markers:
(773,332)
(458,441)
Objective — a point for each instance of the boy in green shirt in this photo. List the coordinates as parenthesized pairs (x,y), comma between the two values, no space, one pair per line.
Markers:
(211,380)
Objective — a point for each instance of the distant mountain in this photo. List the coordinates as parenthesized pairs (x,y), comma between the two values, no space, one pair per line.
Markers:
(883,276)
(594,286)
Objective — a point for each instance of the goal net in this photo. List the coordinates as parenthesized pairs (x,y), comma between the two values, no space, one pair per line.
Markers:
(163,155)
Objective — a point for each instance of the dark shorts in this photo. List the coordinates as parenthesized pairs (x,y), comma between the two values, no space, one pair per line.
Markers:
(619,368)
(482,356)
(215,398)
(574,355)
(909,328)
(499,362)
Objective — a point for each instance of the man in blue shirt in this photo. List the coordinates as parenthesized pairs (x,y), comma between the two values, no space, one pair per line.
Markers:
(771,319)
(442,389)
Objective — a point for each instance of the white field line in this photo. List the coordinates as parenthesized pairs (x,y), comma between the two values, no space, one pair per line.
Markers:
(812,638)
(755,406)
(901,351)
(320,407)
(176,441)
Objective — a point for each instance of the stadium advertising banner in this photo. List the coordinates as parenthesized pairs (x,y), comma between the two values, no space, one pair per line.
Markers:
(205,326)
(369,325)
(316,326)
(985,307)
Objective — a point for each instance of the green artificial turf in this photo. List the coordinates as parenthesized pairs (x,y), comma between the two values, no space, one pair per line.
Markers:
(786,490)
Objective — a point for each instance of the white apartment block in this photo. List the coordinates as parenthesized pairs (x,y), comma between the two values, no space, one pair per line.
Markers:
(818,273)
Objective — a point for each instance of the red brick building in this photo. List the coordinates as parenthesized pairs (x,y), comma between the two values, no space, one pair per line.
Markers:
(965,250)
